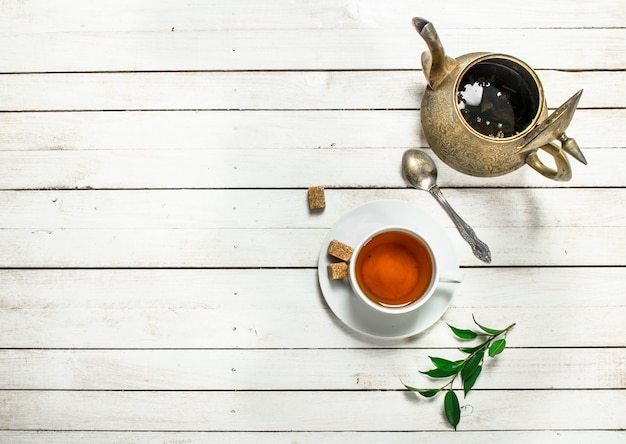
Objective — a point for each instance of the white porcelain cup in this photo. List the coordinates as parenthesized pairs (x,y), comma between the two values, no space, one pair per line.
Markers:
(394,270)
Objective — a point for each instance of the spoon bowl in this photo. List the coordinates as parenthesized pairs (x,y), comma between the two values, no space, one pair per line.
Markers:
(419,169)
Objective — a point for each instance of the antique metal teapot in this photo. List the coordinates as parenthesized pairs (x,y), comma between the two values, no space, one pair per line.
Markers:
(485,114)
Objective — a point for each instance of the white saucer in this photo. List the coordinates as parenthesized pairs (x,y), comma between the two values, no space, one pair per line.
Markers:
(355,313)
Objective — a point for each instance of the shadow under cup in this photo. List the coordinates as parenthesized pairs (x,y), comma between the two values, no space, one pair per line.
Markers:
(394,269)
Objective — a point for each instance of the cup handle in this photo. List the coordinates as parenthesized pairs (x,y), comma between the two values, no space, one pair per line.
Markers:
(563,171)
(451,276)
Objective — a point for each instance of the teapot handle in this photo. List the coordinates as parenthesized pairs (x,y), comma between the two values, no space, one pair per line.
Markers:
(563,171)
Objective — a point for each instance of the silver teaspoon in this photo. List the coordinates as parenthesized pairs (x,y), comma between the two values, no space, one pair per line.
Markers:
(421,172)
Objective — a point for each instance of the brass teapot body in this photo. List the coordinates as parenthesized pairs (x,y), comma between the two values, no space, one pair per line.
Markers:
(485,114)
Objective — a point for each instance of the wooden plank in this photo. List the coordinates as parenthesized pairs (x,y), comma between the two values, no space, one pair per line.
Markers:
(366,369)
(210,130)
(510,246)
(37,16)
(288,327)
(265,168)
(145,289)
(173,437)
(198,209)
(253,90)
(317,411)
(232,130)
(302,49)
(235,309)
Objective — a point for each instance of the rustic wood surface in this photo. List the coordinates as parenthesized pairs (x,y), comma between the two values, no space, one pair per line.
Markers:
(158,261)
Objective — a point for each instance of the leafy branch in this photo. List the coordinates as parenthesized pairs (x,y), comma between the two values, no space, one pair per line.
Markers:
(493,343)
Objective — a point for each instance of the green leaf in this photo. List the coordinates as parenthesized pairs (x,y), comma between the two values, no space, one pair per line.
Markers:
(471,350)
(451,408)
(444,364)
(463,334)
(497,347)
(472,364)
(441,373)
(491,331)
(426,393)
(471,371)
(470,379)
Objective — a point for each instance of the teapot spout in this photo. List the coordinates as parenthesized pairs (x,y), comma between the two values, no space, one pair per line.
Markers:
(435,63)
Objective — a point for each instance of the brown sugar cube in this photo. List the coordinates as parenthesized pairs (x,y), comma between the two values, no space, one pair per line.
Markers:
(338,270)
(317,200)
(340,250)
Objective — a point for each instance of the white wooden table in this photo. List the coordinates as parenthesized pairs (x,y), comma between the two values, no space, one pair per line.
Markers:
(158,277)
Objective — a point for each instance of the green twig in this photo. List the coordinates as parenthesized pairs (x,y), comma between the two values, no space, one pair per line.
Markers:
(494,343)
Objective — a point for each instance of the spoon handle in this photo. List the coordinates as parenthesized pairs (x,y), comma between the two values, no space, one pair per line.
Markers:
(480,249)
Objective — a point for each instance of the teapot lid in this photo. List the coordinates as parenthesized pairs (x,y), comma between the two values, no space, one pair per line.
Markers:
(553,128)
